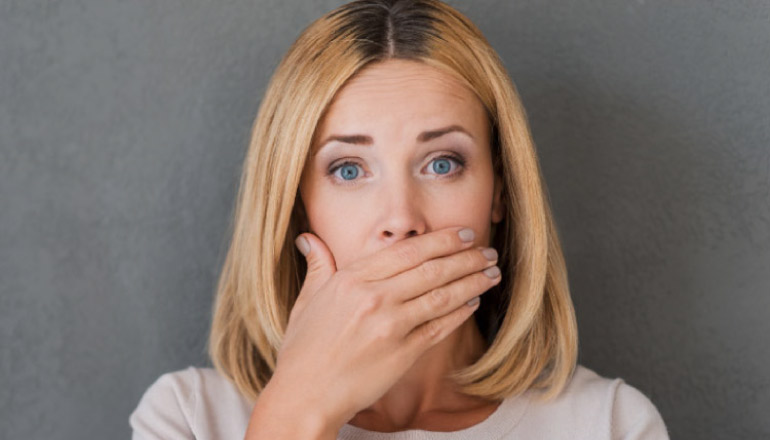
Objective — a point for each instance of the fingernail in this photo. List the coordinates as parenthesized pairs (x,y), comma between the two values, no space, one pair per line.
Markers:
(492,272)
(490,254)
(302,245)
(473,301)
(466,234)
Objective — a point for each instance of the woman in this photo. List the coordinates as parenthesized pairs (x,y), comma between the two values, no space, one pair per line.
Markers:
(393,147)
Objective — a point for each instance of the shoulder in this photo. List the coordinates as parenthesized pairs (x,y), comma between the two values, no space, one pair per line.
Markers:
(593,406)
(166,409)
(185,403)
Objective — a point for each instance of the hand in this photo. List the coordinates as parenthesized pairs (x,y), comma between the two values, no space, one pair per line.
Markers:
(353,333)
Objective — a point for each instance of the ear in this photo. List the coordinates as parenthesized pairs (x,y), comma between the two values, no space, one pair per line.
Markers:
(498,207)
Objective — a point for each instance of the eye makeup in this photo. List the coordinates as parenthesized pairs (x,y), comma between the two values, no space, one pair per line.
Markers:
(456,158)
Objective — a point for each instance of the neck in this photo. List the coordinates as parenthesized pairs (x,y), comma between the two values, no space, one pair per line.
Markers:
(424,388)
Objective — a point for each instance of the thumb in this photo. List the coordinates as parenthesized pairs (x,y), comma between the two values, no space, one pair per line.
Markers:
(320,261)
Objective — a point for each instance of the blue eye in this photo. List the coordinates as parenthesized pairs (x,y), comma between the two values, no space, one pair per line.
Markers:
(349,170)
(441,166)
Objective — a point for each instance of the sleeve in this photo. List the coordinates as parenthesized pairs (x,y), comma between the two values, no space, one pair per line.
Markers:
(635,417)
(164,411)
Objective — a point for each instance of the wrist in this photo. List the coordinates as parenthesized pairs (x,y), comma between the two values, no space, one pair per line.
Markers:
(282,411)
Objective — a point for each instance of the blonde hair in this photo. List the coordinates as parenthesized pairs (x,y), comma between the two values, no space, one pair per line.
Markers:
(528,320)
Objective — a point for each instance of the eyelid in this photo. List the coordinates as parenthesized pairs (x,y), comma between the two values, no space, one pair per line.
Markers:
(451,155)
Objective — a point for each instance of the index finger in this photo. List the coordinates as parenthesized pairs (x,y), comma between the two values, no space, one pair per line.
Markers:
(411,252)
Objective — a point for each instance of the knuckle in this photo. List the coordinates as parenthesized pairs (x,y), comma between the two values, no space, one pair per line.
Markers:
(438,298)
(430,270)
(476,259)
(369,304)
(385,330)
(408,252)
(432,330)
(449,240)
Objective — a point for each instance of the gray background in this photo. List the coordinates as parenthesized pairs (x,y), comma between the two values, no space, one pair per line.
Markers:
(123,125)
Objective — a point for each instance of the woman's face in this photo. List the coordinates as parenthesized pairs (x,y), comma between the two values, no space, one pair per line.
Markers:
(404,149)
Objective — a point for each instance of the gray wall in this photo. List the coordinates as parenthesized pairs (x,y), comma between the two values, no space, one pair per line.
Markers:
(122,128)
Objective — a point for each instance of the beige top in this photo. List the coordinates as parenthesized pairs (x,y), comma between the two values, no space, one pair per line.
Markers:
(199,403)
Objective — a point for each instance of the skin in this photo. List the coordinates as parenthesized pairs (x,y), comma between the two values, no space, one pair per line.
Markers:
(396,187)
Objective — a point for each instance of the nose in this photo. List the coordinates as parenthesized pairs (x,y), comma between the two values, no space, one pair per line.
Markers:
(401,212)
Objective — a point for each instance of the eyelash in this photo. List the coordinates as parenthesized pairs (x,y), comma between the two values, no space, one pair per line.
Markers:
(455,157)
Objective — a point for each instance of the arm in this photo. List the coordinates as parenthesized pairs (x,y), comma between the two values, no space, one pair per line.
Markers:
(276,416)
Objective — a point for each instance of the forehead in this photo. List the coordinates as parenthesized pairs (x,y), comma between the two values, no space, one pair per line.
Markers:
(401,93)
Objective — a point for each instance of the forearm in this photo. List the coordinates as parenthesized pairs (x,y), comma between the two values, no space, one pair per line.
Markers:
(280,415)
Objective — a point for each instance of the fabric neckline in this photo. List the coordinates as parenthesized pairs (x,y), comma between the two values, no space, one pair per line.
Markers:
(500,422)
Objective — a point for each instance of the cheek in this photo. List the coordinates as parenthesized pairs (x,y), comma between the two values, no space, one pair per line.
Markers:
(471,208)
(468,205)
(340,221)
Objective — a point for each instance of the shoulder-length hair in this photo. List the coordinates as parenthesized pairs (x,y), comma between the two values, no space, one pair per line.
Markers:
(527,320)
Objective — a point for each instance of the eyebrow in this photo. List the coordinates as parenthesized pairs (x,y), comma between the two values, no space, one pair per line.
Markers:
(362,139)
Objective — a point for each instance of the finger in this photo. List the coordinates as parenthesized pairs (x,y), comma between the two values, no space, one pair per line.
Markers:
(442,300)
(437,272)
(432,332)
(320,265)
(410,252)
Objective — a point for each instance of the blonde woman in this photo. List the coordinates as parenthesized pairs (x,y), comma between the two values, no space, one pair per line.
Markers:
(429,297)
